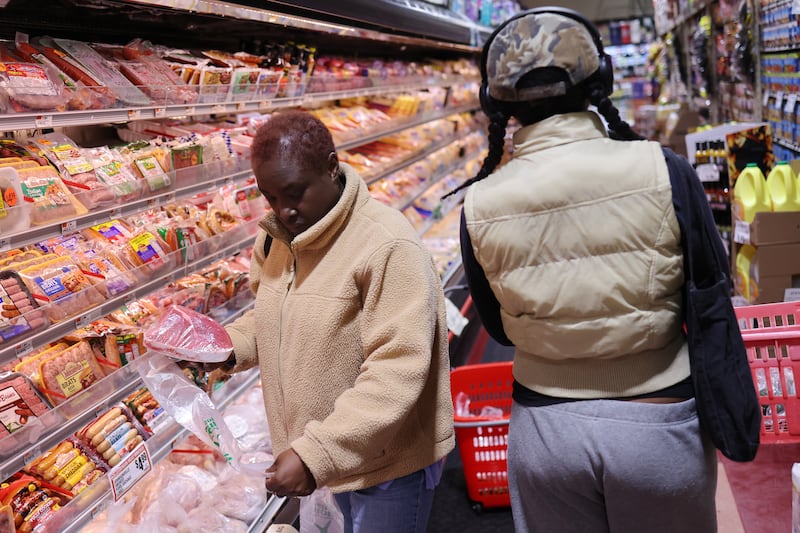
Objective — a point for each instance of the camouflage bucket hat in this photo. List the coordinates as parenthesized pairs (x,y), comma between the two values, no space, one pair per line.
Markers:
(538,41)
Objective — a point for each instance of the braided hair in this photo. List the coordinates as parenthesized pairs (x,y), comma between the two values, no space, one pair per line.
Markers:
(617,128)
(498,121)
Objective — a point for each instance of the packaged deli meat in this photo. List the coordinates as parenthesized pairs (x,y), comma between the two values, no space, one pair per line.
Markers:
(19,402)
(77,173)
(19,310)
(14,214)
(50,199)
(185,334)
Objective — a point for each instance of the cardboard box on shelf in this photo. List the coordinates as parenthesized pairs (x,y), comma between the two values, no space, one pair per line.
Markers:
(676,128)
(773,269)
(769,228)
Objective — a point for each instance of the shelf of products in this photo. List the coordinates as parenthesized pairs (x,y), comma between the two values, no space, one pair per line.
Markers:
(169,123)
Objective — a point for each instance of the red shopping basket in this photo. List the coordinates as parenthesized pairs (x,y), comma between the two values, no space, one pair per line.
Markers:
(483,441)
(771,334)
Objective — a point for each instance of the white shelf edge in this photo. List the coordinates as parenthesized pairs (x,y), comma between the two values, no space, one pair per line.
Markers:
(439,176)
(53,119)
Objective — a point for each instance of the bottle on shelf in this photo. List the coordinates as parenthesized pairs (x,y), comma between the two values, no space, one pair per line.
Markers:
(782,186)
(744,258)
(750,194)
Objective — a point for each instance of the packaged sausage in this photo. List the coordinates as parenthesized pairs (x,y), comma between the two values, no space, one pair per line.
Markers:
(14,214)
(68,372)
(103,71)
(29,365)
(109,275)
(111,170)
(113,435)
(32,502)
(147,410)
(70,466)
(114,345)
(10,148)
(19,310)
(26,87)
(50,198)
(63,286)
(19,402)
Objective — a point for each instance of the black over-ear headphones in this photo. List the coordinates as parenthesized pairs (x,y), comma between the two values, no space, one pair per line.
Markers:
(602,79)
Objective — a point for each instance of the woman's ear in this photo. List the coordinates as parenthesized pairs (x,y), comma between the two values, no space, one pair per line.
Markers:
(333,165)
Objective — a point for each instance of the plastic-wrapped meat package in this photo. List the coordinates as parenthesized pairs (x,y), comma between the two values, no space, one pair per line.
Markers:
(19,310)
(237,496)
(188,335)
(26,87)
(111,170)
(51,200)
(19,403)
(103,71)
(76,171)
(69,372)
(63,286)
(210,521)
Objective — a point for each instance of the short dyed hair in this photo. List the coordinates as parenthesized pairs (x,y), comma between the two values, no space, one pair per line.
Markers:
(296,136)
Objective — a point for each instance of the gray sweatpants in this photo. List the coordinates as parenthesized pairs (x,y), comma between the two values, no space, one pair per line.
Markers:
(605,466)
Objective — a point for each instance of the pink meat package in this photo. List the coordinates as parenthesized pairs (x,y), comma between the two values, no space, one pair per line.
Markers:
(185,334)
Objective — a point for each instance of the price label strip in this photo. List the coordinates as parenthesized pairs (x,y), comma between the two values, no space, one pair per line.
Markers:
(127,473)
(741,232)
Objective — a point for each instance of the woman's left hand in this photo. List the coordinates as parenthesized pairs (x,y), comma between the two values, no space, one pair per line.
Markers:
(289,476)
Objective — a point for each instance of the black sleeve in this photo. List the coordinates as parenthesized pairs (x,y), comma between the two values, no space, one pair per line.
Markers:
(482,296)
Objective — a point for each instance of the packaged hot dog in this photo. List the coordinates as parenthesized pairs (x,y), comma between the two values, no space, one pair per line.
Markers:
(33,502)
(70,466)
(19,310)
(114,345)
(113,435)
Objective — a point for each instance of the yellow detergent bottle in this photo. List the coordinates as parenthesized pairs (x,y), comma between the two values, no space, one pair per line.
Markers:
(750,194)
(782,187)
(744,285)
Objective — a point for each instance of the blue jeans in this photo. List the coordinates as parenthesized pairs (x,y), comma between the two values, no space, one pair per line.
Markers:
(403,507)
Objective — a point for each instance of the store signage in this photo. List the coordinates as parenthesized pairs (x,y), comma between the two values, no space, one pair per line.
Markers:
(456,322)
(741,232)
(791,101)
(127,473)
(708,172)
(791,295)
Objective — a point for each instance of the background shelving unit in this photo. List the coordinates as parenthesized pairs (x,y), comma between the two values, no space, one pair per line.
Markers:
(417,30)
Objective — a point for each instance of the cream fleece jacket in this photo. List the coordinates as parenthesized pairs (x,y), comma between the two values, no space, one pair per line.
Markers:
(579,241)
(350,337)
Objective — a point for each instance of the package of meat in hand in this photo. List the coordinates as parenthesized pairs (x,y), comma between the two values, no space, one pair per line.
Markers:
(185,334)
(19,402)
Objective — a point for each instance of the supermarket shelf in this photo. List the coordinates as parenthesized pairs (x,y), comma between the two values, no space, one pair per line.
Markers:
(397,127)
(780,49)
(256,14)
(418,156)
(702,5)
(41,434)
(25,121)
(208,251)
(268,514)
(786,144)
(87,505)
(197,182)
(452,270)
(440,176)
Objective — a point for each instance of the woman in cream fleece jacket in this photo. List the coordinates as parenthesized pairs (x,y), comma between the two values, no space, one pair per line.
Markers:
(349,333)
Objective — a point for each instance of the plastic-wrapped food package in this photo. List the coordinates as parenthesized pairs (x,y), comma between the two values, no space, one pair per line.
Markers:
(210,521)
(238,497)
(185,334)
(28,87)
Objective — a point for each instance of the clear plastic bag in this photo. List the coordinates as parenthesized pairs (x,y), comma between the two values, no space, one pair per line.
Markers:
(191,407)
(319,512)
(185,334)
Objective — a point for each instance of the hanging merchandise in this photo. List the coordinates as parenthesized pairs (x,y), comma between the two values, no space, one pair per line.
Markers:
(700,64)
